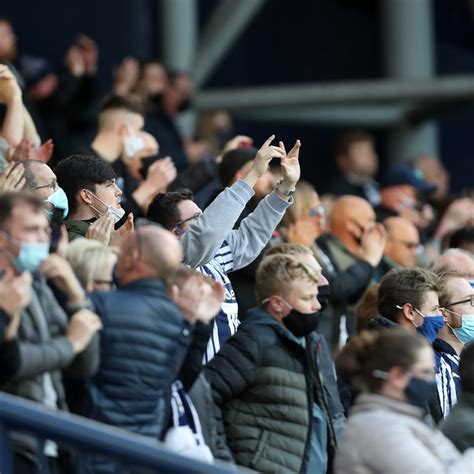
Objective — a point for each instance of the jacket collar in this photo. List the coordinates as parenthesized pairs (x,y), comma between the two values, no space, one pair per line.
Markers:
(372,401)
(440,345)
(145,284)
(259,316)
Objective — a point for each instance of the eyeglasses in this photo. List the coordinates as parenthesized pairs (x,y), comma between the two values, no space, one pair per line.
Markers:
(469,300)
(194,217)
(317,211)
(53,185)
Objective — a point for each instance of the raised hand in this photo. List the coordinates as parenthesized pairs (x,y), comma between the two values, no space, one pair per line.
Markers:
(81,329)
(74,61)
(12,178)
(15,296)
(161,174)
(9,88)
(101,229)
(22,151)
(119,235)
(44,152)
(89,52)
(15,292)
(373,244)
(262,159)
(290,166)
(198,300)
(60,272)
(126,76)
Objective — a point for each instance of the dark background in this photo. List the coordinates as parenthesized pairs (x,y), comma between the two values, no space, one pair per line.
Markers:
(288,41)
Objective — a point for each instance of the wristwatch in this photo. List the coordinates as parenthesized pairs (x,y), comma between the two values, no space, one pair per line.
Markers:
(286,192)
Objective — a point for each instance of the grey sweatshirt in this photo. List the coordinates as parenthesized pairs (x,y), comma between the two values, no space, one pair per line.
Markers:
(205,237)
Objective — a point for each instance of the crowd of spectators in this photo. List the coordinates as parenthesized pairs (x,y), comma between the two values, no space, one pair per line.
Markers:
(198,292)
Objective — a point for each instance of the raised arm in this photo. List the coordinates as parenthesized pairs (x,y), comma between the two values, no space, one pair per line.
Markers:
(205,237)
(256,230)
(10,95)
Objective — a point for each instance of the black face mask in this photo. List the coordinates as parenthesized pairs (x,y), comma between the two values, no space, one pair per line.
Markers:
(323,296)
(301,324)
(156,99)
(185,104)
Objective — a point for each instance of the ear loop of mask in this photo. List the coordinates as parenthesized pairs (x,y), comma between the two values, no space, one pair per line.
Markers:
(401,308)
(449,325)
(102,202)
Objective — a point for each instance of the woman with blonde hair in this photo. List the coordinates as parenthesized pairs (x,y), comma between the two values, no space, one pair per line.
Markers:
(304,221)
(92,263)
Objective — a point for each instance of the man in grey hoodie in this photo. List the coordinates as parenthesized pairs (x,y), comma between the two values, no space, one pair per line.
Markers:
(209,242)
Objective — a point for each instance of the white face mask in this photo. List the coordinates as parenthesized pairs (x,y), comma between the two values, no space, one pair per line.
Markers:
(132,144)
(116,212)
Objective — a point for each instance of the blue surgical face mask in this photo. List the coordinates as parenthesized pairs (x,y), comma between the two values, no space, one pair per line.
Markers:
(31,255)
(420,392)
(466,332)
(59,200)
(430,327)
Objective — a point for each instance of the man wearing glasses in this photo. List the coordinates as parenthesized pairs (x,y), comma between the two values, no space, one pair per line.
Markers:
(209,242)
(41,181)
(456,298)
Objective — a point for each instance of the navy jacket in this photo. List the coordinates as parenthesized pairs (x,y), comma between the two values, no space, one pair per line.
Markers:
(144,341)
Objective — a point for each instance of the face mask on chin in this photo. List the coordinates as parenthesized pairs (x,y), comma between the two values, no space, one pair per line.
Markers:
(116,212)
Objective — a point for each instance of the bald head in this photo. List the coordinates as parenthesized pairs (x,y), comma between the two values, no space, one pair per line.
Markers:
(150,252)
(403,239)
(160,249)
(455,260)
(350,216)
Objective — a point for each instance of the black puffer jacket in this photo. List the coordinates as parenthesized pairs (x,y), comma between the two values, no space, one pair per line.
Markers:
(264,384)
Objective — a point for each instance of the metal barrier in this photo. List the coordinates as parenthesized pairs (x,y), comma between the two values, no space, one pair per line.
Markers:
(23,415)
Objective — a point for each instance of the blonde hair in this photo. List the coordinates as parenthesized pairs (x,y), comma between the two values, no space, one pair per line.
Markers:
(86,257)
(289,249)
(303,202)
(276,271)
